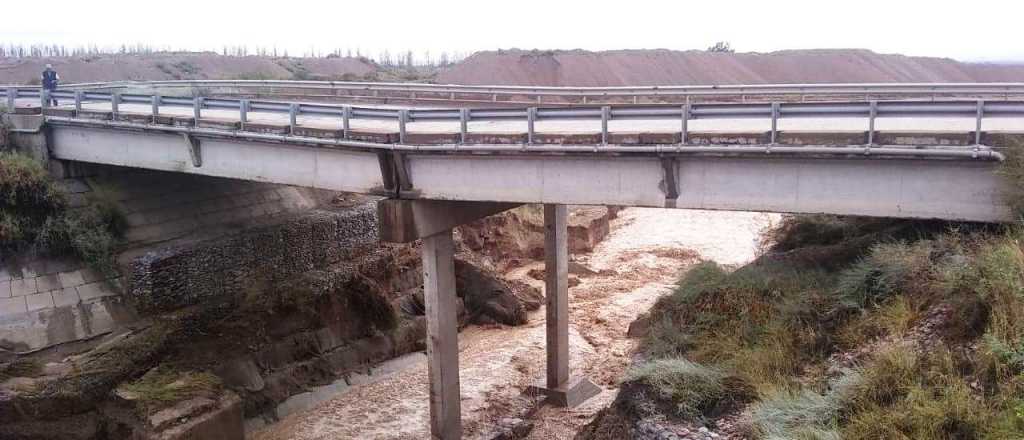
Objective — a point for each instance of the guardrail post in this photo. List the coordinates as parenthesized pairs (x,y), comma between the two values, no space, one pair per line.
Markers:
(243,113)
(531,116)
(403,116)
(155,103)
(78,101)
(463,125)
(197,110)
(293,115)
(775,122)
(977,124)
(872,114)
(12,96)
(346,116)
(684,129)
(115,105)
(606,113)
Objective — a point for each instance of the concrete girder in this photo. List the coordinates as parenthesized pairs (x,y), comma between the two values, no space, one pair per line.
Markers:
(317,167)
(908,187)
(404,221)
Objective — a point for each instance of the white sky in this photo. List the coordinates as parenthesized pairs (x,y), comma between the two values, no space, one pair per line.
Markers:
(988,30)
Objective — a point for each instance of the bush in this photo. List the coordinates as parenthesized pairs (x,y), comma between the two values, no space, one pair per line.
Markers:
(888,269)
(34,216)
(790,415)
(761,321)
(162,387)
(28,201)
(694,390)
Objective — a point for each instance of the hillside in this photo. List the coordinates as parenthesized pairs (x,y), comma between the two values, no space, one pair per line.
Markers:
(166,66)
(665,67)
(518,67)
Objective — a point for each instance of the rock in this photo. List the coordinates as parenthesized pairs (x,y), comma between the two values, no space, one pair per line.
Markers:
(223,423)
(512,428)
(573,281)
(578,268)
(241,374)
(640,327)
(485,293)
(182,410)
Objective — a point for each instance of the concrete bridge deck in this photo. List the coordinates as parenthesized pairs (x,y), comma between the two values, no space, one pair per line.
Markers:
(745,125)
(817,165)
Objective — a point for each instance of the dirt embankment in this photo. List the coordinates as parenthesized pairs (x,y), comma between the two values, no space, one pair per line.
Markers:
(170,66)
(666,67)
(542,68)
(511,239)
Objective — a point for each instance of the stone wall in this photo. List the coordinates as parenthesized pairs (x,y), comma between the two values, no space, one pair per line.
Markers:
(179,276)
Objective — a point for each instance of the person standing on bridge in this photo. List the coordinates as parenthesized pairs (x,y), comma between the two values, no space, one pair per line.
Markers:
(50,80)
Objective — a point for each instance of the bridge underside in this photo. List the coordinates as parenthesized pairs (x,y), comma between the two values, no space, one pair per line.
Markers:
(851,185)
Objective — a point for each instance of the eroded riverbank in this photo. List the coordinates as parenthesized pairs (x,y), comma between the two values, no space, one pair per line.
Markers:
(639,261)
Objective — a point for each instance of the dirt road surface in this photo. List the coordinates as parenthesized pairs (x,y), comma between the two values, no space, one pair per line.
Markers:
(646,252)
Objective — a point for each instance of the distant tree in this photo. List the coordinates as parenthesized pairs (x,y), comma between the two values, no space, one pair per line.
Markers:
(722,47)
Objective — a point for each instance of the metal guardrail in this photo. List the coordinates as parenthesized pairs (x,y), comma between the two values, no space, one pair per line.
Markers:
(453,92)
(775,111)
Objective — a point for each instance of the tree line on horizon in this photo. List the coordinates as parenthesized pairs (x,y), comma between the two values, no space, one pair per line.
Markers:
(385,58)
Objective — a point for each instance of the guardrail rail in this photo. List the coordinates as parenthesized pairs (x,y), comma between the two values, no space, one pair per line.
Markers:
(774,111)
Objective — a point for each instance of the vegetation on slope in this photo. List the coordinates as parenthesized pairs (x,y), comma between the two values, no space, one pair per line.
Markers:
(35,216)
(916,335)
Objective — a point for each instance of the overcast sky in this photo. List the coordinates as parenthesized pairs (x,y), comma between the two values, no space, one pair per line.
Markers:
(975,30)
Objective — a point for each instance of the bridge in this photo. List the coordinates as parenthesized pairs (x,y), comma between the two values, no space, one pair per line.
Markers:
(442,167)
(419,93)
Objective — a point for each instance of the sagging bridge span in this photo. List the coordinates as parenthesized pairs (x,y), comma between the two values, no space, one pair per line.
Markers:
(441,167)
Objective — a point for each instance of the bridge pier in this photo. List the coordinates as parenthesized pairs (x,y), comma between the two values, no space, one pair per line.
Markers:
(432,222)
(559,387)
(442,336)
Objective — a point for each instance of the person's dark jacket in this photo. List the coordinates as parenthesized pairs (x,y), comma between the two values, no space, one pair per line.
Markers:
(50,79)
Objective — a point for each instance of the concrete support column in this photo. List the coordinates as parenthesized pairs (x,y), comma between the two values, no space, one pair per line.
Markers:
(556,291)
(442,336)
(559,387)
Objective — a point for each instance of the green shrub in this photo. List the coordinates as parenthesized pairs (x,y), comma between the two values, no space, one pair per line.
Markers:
(887,270)
(789,414)
(28,200)
(162,387)
(694,390)
(797,231)
(34,216)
